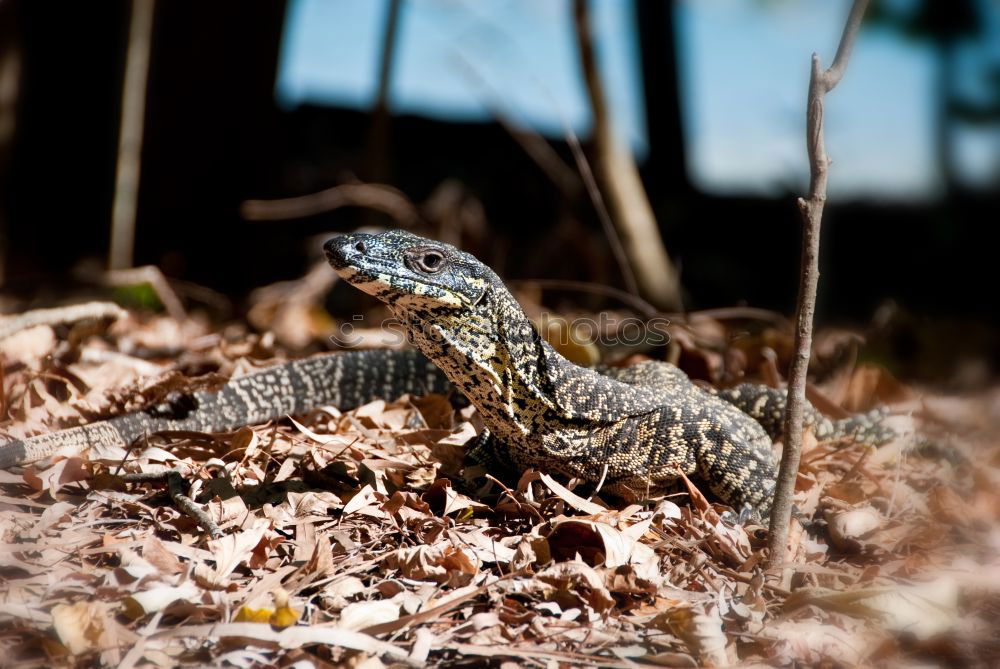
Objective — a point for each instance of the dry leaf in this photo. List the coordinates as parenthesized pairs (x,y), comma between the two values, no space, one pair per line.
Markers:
(948,507)
(600,544)
(922,610)
(702,632)
(569,497)
(847,528)
(360,615)
(156,553)
(158,598)
(446,564)
(576,576)
(810,642)
(80,626)
(233,549)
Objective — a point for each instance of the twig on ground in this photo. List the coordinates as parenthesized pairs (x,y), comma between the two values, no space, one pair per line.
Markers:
(820,83)
(177,489)
(10,325)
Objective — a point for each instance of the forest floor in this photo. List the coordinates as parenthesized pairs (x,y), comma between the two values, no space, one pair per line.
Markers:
(351,538)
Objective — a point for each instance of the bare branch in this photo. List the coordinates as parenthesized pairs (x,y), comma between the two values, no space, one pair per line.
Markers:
(621,185)
(152,275)
(10,325)
(640,305)
(385,199)
(123,214)
(833,75)
(820,83)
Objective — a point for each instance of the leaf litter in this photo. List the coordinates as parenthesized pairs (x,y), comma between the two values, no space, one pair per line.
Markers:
(357,539)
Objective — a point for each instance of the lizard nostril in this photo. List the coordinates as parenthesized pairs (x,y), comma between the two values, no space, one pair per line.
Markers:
(360,247)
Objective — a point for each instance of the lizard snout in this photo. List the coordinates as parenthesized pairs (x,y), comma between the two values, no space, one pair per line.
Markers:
(344,250)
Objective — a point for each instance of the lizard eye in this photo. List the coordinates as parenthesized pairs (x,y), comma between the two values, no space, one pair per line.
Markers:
(429,261)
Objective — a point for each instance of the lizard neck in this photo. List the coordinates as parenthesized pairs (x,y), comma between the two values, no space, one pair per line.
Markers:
(518,382)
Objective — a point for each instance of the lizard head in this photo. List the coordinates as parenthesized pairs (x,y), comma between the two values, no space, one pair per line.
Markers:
(409,272)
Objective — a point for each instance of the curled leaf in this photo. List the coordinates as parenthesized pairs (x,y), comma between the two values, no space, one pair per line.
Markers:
(847,528)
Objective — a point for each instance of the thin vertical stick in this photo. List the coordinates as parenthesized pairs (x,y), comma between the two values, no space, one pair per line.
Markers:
(133,114)
(11,27)
(820,83)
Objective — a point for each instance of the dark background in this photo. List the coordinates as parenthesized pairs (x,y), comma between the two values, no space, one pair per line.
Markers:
(214,137)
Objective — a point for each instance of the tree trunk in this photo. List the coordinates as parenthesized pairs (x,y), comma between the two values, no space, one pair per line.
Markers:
(666,167)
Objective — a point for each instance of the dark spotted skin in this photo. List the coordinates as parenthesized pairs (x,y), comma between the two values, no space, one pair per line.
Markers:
(635,429)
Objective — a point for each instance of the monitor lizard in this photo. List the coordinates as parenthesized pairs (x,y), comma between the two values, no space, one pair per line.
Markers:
(634,429)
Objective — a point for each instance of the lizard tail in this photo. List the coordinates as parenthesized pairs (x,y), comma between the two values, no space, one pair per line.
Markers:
(766,405)
(345,380)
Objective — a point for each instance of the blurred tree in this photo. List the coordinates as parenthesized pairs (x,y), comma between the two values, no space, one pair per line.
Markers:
(944,26)
(628,205)
(10,81)
(125,204)
(667,163)
(378,168)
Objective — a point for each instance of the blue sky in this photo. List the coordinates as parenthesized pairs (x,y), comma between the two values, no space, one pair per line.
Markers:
(746,78)
(523,49)
(744,74)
